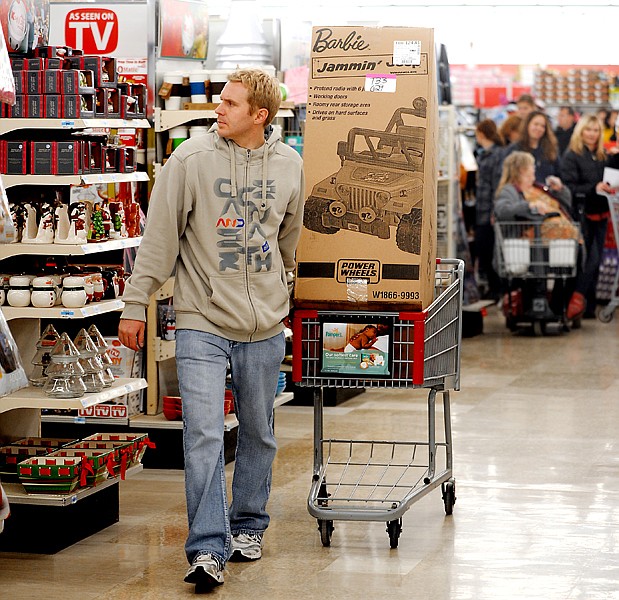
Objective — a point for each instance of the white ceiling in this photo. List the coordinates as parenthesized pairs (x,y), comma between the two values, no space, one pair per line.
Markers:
(482,32)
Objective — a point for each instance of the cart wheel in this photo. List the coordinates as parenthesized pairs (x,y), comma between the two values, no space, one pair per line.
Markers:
(449,495)
(539,328)
(394,529)
(326,529)
(605,315)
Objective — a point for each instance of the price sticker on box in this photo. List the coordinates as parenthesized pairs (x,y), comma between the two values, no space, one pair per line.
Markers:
(407,53)
(375,82)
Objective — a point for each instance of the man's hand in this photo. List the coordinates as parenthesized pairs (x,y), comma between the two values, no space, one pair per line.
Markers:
(131,333)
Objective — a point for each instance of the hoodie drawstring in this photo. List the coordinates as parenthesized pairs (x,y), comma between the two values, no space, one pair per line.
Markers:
(233,187)
(265,162)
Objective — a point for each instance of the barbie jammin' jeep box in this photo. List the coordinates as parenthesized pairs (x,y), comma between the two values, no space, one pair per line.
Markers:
(370,156)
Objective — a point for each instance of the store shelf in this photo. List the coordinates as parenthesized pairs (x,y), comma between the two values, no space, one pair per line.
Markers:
(31,397)
(13,180)
(17,495)
(165,291)
(8,250)
(164,349)
(76,420)
(7,125)
(160,422)
(166,119)
(61,312)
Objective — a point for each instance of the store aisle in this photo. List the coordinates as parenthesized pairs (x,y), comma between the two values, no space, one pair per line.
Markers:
(536,458)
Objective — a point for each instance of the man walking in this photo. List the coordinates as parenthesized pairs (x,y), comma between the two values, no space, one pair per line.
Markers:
(226,212)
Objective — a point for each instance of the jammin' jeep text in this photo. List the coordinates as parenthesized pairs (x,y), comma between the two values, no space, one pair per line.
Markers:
(379,184)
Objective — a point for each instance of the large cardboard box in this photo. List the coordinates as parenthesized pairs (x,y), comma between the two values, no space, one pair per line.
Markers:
(370,155)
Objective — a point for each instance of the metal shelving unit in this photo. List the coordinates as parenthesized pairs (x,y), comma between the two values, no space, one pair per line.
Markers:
(8,250)
(166,119)
(31,397)
(61,312)
(7,125)
(14,180)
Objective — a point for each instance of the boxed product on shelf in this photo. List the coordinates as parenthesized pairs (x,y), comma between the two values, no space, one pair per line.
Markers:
(124,407)
(370,154)
(107,102)
(36,106)
(53,106)
(76,106)
(41,64)
(33,81)
(103,68)
(13,157)
(126,363)
(55,51)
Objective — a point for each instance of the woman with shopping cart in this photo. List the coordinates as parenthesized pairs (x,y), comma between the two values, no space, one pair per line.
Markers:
(537,242)
(582,170)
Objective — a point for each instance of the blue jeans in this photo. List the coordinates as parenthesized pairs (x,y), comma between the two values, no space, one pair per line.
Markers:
(201,361)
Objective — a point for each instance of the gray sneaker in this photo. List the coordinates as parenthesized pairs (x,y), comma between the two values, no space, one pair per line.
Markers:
(205,572)
(246,547)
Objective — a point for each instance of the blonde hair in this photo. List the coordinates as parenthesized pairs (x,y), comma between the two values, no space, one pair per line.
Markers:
(263,91)
(577,144)
(513,166)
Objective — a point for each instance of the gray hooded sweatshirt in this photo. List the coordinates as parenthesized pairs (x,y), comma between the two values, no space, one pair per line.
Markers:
(228,219)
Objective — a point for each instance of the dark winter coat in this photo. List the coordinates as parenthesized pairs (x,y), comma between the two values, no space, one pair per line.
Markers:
(581,173)
(487,161)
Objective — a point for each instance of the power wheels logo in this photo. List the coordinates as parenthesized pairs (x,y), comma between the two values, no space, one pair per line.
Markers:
(358,269)
(93,30)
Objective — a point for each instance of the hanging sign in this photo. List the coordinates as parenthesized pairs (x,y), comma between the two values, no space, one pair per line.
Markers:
(103,29)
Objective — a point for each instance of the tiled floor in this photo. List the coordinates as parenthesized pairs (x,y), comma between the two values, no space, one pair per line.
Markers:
(536,459)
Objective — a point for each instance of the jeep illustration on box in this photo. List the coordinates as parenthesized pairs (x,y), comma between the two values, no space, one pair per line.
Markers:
(379,183)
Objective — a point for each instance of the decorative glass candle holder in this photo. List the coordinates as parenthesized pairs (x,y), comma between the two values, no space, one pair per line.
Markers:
(64,373)
(42,358)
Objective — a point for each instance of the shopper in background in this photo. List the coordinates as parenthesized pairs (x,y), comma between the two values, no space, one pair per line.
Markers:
(510,129)
(488,156)
(566,122)
(582,170)
(609,126)
(526,105)
(520,198)
(537,139)
(516,198)
(226,212)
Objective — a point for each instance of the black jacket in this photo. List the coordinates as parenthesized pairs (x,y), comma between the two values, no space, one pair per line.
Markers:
(581,173)
(487,161)
(563,138)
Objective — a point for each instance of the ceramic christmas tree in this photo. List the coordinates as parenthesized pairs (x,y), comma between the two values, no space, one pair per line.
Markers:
(42,358)
(64,373)
(104,353)
(90,361)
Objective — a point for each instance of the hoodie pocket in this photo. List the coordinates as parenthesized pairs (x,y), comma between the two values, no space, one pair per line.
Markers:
(234,308)
(270,298)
